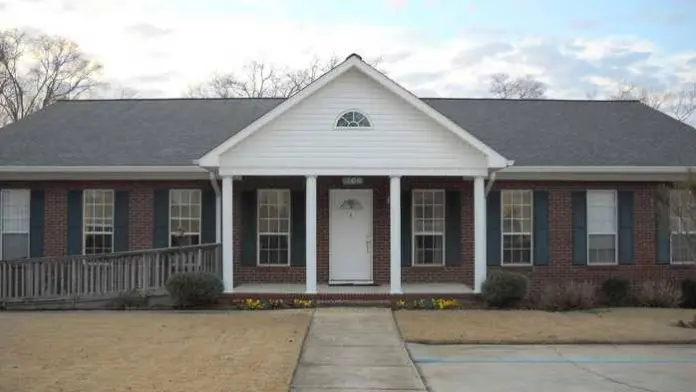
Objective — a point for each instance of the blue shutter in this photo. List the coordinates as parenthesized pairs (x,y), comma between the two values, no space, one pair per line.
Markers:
(249,233)
(662,231)
(493,256)
(36,223)
(160,227)
(208,218)
(406,229)
(578,201)
(541,227)
(625,212)
(121,219)
(75,222)
(298,230)
(453,228)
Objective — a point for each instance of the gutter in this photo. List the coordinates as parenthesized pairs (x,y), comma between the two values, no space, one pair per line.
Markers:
(101,169)
(601,169)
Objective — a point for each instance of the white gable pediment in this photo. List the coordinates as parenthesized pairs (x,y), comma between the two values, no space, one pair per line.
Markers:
(302,137)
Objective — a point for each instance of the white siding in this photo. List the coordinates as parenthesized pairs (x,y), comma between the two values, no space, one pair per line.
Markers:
(304,137)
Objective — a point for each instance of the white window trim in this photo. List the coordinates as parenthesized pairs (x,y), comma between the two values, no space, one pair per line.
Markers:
(200,214)
(672,233)
(2,229)
(113,218)
(444,229)
(531,233)
(369,119)
(615,233)
(258,231)
(671,258)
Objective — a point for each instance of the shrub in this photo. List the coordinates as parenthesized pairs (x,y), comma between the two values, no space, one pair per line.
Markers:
(568,296)
(504,289)
(128,299)
(688,293)
(194,288)
(616,291)
(658,294)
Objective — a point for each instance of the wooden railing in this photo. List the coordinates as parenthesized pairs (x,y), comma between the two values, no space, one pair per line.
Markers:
(103,275)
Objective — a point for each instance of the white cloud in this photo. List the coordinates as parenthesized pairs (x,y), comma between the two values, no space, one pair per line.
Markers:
(160,47)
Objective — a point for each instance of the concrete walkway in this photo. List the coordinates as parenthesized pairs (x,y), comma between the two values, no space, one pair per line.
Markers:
(355,349)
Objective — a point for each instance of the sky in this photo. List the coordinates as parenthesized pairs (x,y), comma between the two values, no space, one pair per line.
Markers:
(435,48)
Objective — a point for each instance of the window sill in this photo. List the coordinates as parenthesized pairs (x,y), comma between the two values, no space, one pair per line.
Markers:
(603,265)
(516,265)
(686,263)
(273,265)
(427,265)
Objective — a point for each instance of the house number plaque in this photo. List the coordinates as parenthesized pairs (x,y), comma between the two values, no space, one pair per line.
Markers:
(352,180)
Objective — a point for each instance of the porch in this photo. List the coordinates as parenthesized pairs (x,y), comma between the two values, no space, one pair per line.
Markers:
(353,234)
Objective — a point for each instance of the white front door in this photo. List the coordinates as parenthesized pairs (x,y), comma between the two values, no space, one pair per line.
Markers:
(350,248)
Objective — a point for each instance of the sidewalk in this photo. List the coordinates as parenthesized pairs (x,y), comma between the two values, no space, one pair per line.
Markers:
(355,349)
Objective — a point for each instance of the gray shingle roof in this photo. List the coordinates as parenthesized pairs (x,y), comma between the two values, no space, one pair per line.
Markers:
(177,131)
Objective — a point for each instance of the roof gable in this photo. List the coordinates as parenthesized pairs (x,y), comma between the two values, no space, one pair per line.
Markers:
(212,158)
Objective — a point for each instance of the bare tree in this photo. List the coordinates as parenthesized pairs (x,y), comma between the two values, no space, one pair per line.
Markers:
(502,86)
(260,80)
(677,211)
(36,71)
(679,103)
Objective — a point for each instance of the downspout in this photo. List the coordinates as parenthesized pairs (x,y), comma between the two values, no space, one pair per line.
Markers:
(493,174)
(218,205)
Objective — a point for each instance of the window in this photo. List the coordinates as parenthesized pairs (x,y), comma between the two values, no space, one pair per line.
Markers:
(601,227)
(516,218)
(274,226)
(14,223)
(682,208)
(98,216)
(353,119)
(428,227)
(184,217)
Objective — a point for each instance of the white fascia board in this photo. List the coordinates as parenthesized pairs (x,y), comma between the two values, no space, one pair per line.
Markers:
(351,171)
(601,169)
(101,169)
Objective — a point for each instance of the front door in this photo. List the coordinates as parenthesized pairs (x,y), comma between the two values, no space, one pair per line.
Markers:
(350,255)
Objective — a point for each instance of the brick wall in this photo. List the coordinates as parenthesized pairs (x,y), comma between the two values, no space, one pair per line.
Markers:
(560,266)
(560,248)
(140,208)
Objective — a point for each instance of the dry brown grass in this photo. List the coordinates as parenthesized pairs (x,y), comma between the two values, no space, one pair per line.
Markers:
(619,325)
(153,351)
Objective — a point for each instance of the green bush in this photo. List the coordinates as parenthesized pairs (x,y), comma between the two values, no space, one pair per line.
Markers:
(616,291)
(658,294)
(504,289)
(194,288)
(568,296)
(128,300)
(688,293)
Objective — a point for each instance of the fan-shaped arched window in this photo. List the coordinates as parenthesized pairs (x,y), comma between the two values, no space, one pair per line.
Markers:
(353,119)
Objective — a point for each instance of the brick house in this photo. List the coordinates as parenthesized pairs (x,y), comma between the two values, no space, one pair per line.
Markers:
(353,180)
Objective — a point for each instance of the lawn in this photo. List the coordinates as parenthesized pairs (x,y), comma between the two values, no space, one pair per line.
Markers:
(150,351)
(620,325)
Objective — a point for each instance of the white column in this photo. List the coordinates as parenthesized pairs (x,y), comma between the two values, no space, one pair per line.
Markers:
(311,235)
(227,234)
(218,218)
(480,234)
(395,235)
